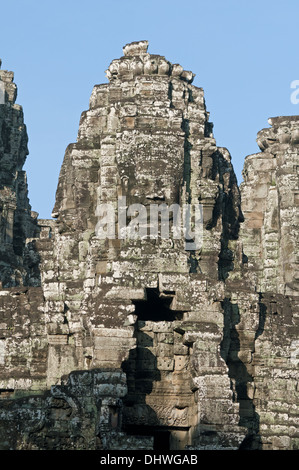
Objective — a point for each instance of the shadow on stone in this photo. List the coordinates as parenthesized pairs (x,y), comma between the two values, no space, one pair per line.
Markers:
(141,371)
(82,413)
(239,376)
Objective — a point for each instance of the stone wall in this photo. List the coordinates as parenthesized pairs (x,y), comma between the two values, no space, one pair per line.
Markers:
(143,343)
(269,203)
(18,258)
(269,238)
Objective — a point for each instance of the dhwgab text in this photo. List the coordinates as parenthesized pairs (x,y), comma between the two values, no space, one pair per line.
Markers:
(150,459)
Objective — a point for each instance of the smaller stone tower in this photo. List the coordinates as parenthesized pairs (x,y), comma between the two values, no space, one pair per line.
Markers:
(18,259)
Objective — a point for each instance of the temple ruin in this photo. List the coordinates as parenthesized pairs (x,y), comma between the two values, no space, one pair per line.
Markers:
(150,342)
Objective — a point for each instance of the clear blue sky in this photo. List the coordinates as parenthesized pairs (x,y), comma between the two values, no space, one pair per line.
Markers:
(244,54)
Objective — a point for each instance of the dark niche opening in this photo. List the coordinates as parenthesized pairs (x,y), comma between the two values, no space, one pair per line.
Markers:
(161,440)
(156,307)
(6,392)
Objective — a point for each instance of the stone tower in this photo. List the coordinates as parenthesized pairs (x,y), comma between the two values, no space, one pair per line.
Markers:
(147,138)
(136,339)
(18,259)
(270,202)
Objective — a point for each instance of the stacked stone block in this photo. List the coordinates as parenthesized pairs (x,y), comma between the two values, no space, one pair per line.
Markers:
(18,259)
(141,343)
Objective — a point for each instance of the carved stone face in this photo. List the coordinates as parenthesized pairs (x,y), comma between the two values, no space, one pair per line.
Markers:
(151,172)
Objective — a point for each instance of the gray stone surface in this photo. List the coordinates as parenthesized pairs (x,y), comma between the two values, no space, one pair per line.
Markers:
(121,343)
(18,257)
